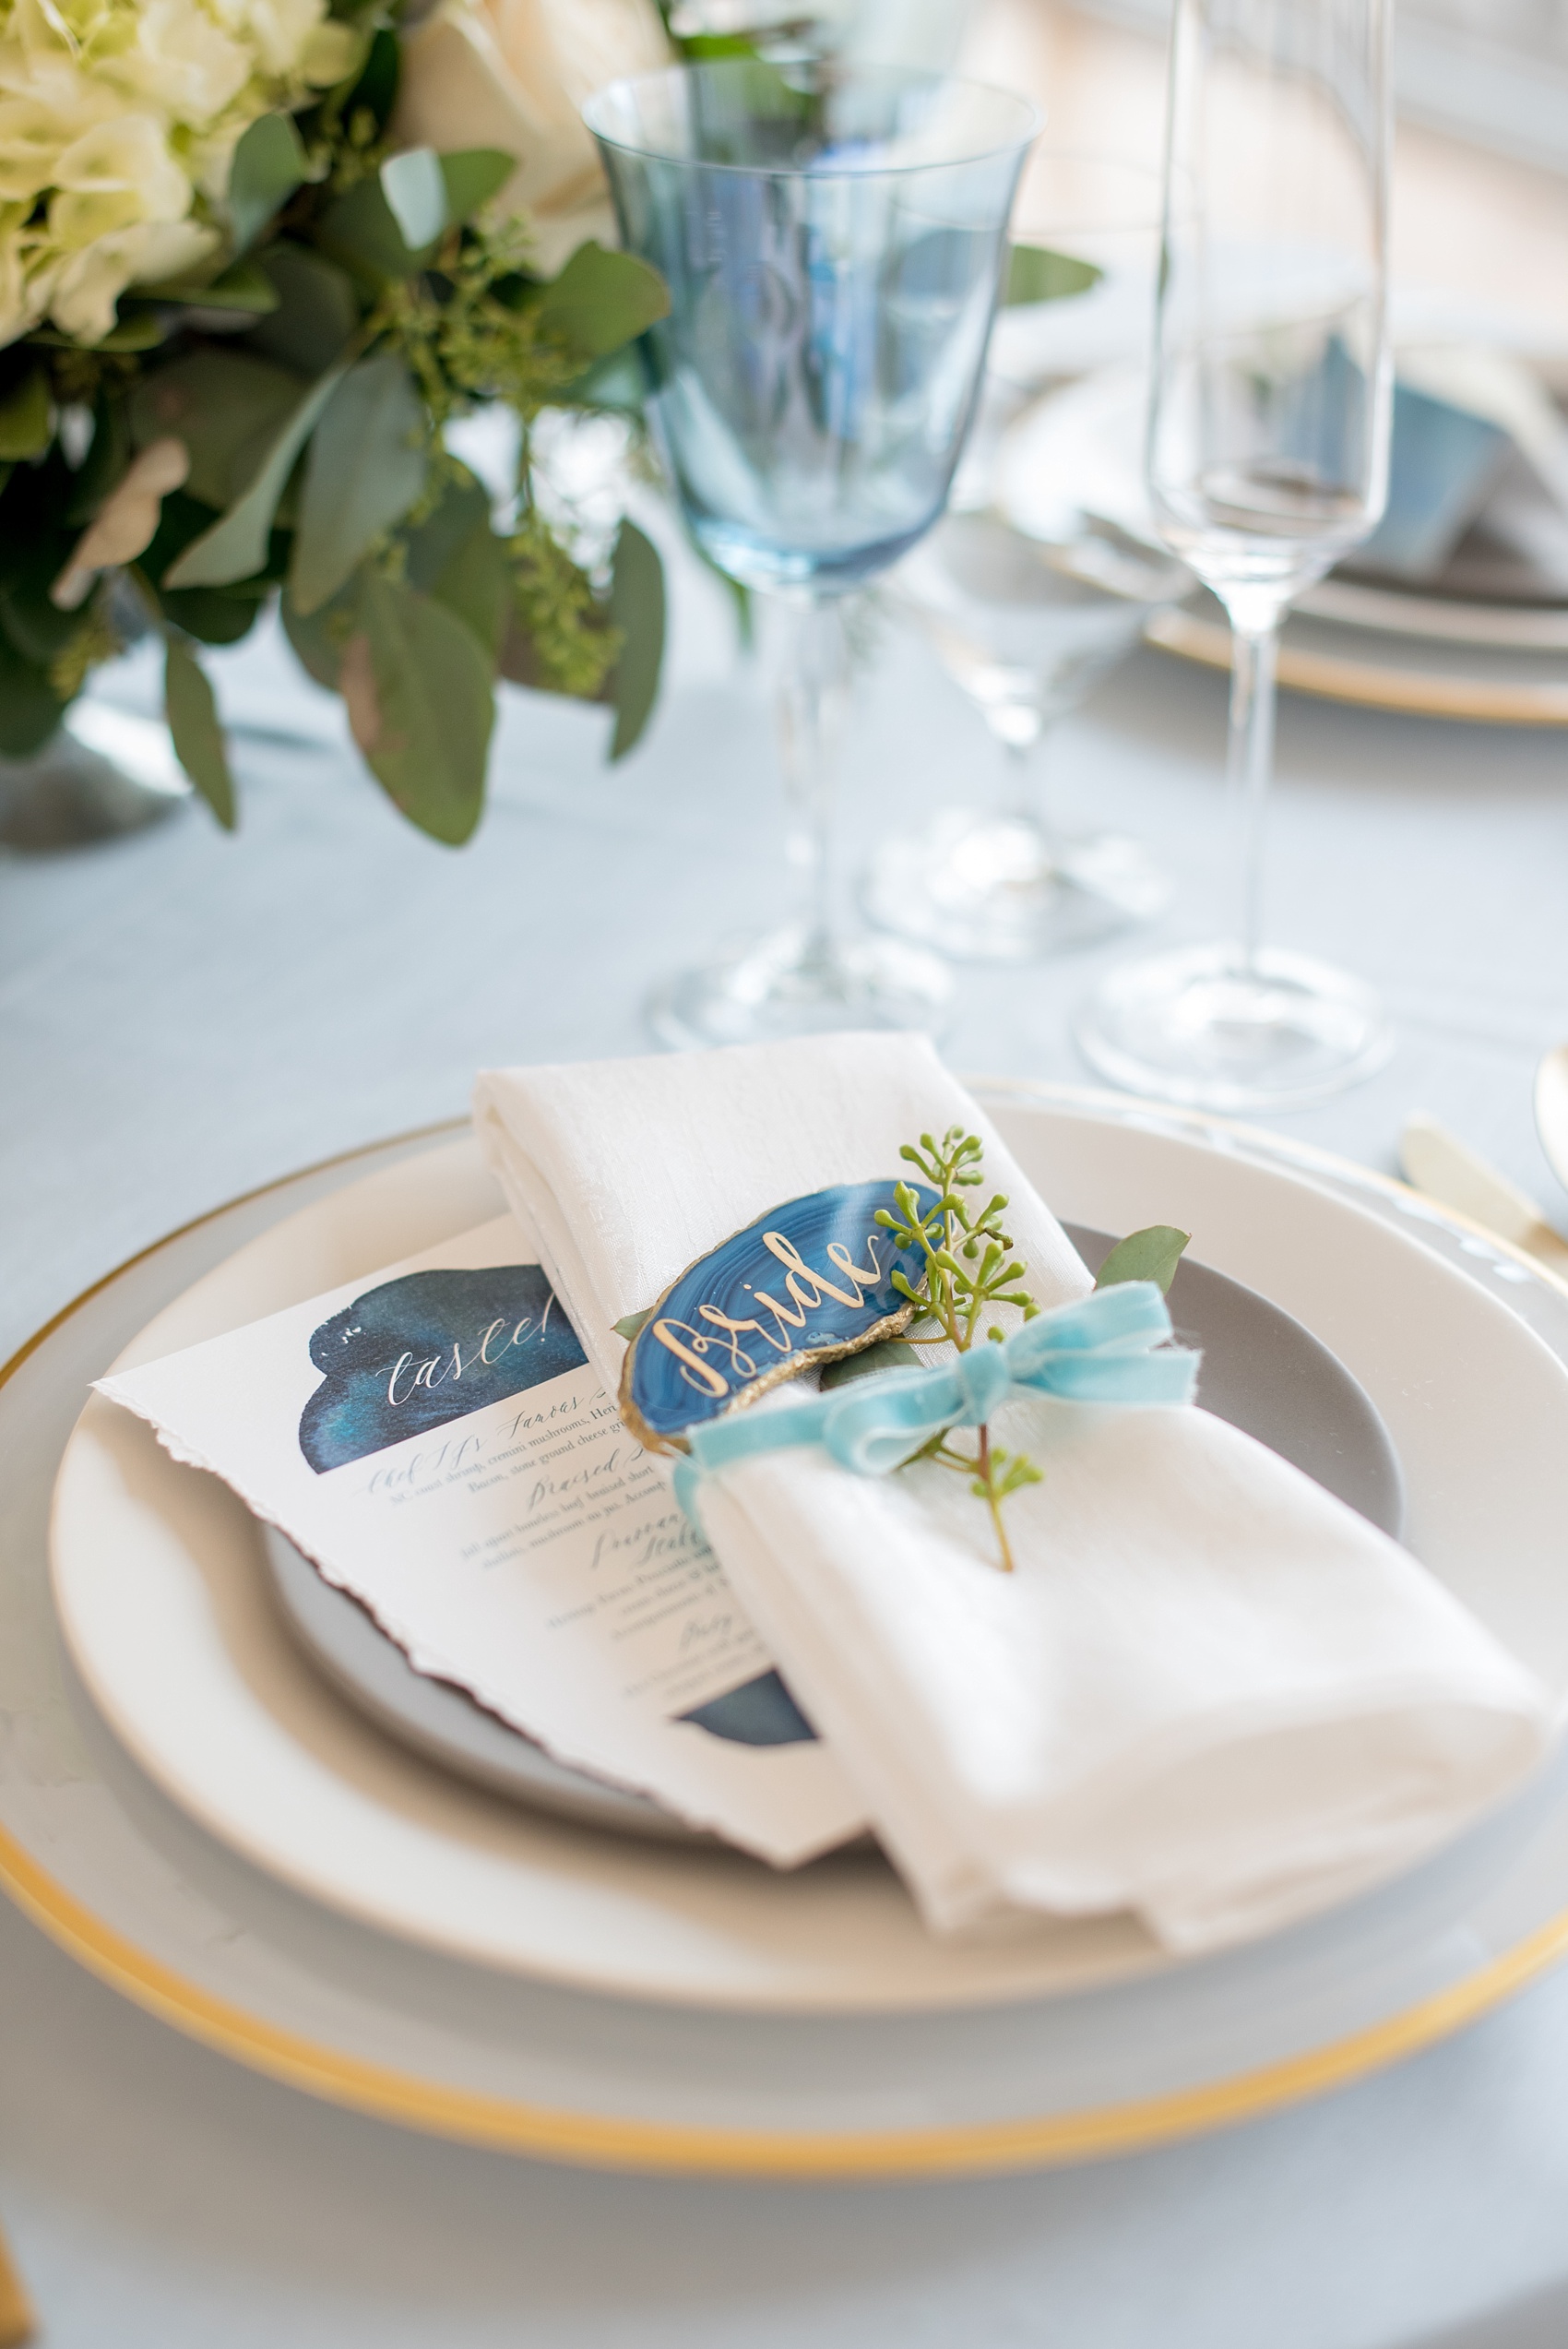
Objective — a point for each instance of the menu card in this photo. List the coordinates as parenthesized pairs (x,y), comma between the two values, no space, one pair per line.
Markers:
(434,1438)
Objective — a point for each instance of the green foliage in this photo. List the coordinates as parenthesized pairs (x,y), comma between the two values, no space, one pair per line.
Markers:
(600,301)
(636,616)
(1035,274)
(889,1353)
(25,420)
(970,1268)
(417,682)
(270,165)
(365,468)
(197,731)
(560,640)
(226,406)
(364,300)
(1152,1254)
(628,1325)
(235,547)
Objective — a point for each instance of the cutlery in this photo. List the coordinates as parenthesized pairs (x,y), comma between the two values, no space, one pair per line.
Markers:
(1551,1109)
(1437,1163)
(16,2310)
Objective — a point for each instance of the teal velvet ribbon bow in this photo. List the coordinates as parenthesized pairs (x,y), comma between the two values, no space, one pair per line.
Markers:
(1100,1350)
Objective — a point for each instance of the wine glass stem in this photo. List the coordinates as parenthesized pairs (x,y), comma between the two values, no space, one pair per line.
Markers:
(1251,767)
(810,712)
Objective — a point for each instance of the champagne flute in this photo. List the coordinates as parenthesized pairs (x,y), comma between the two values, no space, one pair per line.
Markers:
(833,240)
(1268,460)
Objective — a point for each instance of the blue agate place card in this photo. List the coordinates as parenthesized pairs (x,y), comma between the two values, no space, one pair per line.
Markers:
(806,1283)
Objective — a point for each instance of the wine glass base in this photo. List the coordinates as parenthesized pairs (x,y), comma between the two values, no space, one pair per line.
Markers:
(1000,889)
(1194,1027)
(786,985)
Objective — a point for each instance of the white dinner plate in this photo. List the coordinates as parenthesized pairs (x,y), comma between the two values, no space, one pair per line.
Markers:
(124,1880)
(162,1593)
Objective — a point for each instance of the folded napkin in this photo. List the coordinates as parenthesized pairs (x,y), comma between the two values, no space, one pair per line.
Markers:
(1210,1693)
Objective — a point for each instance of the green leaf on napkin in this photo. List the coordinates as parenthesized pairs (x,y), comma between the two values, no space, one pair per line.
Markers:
(1035,274)
(889,1353)
(630,1323)
(366,467)
(636,610)
(197,732)
(1150,1255)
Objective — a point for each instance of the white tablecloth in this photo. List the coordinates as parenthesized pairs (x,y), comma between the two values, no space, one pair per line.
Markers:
(183,1017)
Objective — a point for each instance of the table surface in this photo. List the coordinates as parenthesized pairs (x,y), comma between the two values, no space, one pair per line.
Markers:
(185,1016)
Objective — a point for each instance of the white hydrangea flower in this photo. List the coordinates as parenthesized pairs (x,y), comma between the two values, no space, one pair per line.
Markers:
(118,121)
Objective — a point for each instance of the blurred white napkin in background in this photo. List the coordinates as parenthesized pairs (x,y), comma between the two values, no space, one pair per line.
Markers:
(1210,1693)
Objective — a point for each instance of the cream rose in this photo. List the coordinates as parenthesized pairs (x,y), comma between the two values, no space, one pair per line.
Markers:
(513,74)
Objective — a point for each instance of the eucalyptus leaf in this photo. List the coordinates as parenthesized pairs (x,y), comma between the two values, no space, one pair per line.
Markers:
(106,459)
(226,406)
(236,546)
(600,301)
(211,615)
(366,467)
(472,176)
(889,1353)
(1035,274)
(361,229)
(197,731)
(245,287)
(316,312)
(25,420)
(630,1323)
(29,707)
(317,641)
(419,688)
(270,164)
(617,383)
(475,583)
(636,609)
(1150,1255)
(415,188)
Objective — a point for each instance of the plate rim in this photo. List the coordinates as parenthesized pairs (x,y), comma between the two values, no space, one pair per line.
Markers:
(384,2092)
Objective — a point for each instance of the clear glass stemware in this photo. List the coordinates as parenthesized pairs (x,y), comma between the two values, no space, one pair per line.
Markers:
(833,241)
(1267,462)
(1029,593)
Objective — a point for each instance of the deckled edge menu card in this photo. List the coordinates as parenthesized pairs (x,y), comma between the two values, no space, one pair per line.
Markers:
(433,1438)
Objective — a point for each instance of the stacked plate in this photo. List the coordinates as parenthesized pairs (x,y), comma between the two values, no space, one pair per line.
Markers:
(1485,640)
(233,1798)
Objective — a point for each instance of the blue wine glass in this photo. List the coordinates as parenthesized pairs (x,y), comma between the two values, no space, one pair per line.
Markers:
(833,241)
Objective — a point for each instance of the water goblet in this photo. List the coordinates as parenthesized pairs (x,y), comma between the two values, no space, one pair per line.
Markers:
(833,240)
(1268,460)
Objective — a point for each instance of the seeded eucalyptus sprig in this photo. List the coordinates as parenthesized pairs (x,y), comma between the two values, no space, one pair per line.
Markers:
(971,1265)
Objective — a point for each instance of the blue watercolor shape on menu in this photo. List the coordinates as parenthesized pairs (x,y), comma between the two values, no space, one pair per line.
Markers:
(427,1349)
(806,1282)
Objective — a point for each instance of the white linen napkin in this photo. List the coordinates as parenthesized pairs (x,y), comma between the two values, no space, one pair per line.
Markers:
(1211,1693)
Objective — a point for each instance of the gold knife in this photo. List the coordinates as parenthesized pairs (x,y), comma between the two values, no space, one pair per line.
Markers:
(16,2309)
(1437,1163)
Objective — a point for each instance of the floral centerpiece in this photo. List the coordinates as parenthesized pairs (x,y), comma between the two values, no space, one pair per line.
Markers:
(256,257)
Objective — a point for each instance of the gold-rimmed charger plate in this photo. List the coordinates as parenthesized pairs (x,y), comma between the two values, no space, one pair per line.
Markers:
(147,1900)
(1335,659)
